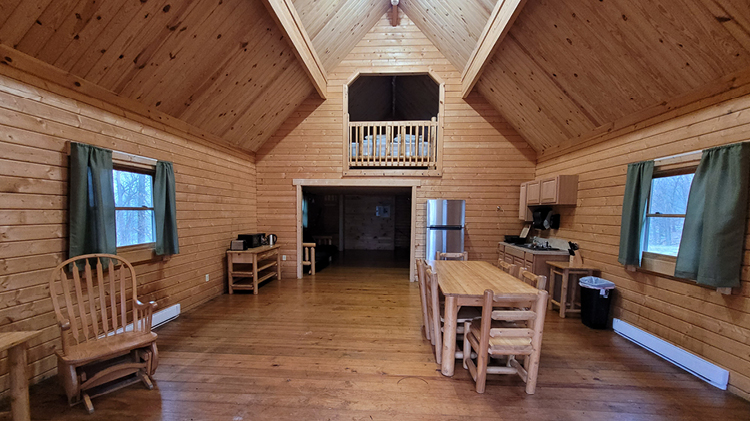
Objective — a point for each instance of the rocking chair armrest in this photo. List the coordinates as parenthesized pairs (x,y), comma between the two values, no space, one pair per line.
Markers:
(151,305)
(64,324)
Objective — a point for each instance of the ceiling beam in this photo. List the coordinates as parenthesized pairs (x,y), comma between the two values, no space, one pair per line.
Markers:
(285,15)
(501,19)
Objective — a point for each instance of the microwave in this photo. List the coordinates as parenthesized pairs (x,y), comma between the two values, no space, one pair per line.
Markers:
(252,240)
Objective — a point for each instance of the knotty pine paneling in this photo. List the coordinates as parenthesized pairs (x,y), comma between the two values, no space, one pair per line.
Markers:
(484,158)
(215,201)
(223,66)
(569,68)
(454,27)
(712,325)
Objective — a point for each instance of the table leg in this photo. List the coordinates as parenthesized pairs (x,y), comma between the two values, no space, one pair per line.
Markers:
(255,273)
(449,336)
(229,274)
(551,286)
(564,293)
(19,383)
(278,266)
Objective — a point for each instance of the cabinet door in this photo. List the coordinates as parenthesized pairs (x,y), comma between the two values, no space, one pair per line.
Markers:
(532,193)
(548,191)
(524,213)
(519,262)
(509,258)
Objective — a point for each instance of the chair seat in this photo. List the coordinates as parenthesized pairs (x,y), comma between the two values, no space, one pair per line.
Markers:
(107,347)
(500,345)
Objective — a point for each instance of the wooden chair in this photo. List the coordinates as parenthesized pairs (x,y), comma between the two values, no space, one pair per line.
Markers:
(537,281)
(451,256)
(508,267)
(519,332)
(435,309)
(106,331)
(421,271)
(308,256)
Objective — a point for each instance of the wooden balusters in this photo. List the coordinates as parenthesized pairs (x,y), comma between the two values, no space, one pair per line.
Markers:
(393,144)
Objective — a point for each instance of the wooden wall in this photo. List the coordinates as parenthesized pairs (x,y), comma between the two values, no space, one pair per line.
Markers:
(484,158)
(363,229)
(714,326)
(215,200)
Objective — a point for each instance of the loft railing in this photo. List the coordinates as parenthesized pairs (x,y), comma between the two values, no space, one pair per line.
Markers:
(404,144)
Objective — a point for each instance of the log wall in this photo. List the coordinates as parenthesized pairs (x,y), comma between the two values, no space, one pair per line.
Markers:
(484,158)
(712,325)
(215,200)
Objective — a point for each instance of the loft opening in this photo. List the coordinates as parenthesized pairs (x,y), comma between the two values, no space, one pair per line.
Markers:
(393,124)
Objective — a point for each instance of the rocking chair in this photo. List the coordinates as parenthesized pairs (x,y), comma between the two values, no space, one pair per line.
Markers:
(107,341)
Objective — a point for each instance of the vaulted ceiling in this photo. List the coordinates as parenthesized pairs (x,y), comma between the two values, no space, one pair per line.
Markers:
(566,69)
(570,68)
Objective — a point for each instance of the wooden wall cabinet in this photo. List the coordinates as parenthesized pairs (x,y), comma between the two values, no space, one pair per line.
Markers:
(524,213)
(532,192)
(558,190)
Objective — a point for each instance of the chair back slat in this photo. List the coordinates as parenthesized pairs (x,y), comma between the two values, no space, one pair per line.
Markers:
(92,300)
(420,270)
(112,295)
(81,307)
(102,296)
(123,299)
(451,256)
(537,281)
(95,308)
(513,332)
(433,302)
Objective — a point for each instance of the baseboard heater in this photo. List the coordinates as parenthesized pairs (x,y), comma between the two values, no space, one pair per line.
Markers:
(159,318)
(688,361)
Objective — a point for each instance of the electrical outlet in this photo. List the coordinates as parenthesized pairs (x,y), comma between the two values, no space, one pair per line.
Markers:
(206,277)
(283,257)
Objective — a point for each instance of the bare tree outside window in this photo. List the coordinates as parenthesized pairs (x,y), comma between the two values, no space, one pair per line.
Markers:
(134,208)
(666,213)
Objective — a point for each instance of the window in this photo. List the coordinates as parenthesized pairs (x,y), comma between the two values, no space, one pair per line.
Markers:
(134,207)
(666,213)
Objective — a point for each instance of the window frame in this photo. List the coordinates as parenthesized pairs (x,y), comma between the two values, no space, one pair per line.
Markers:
(121,161)
(664,264)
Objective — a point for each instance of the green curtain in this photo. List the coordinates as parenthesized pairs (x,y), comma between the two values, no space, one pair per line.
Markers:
(632,226)
(91,208)
(165,212)
(713,236)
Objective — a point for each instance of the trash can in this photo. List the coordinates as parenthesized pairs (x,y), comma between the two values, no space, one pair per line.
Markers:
(595,300)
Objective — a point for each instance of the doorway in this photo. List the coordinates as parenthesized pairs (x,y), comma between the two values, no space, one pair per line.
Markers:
(363,221)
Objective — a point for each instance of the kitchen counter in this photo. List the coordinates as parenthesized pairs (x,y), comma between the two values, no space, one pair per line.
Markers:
(542,252)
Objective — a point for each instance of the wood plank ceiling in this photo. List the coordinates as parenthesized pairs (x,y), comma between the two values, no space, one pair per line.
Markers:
(220,65)
(571,68)
(336,26)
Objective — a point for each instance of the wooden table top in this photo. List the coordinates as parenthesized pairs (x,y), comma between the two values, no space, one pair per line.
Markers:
(260,249)
(10,339)
(566,265)
(471,278)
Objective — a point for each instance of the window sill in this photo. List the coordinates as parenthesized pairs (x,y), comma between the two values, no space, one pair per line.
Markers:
(664,265)
(139,253)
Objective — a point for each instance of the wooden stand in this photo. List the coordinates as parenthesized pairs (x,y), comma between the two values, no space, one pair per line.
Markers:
(567,293)
(16,344)
(265,262)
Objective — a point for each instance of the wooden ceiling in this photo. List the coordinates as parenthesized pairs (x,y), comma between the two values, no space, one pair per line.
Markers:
(336,26)
(220,65)
(568,67)
(453,26)
(571,68)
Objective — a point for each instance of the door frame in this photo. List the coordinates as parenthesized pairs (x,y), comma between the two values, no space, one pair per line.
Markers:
(414,184)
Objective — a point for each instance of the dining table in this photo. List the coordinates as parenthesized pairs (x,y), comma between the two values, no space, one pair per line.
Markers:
(463,284)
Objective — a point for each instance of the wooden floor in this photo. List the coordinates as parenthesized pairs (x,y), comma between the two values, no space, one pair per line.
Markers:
(346,345)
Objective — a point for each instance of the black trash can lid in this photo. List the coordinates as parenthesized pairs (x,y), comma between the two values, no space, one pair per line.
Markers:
(593,282)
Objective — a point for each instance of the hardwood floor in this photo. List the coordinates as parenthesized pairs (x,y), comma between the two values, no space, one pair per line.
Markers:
(346,344)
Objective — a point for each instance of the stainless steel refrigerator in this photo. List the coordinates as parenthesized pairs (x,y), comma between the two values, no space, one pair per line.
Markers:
(445,227)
